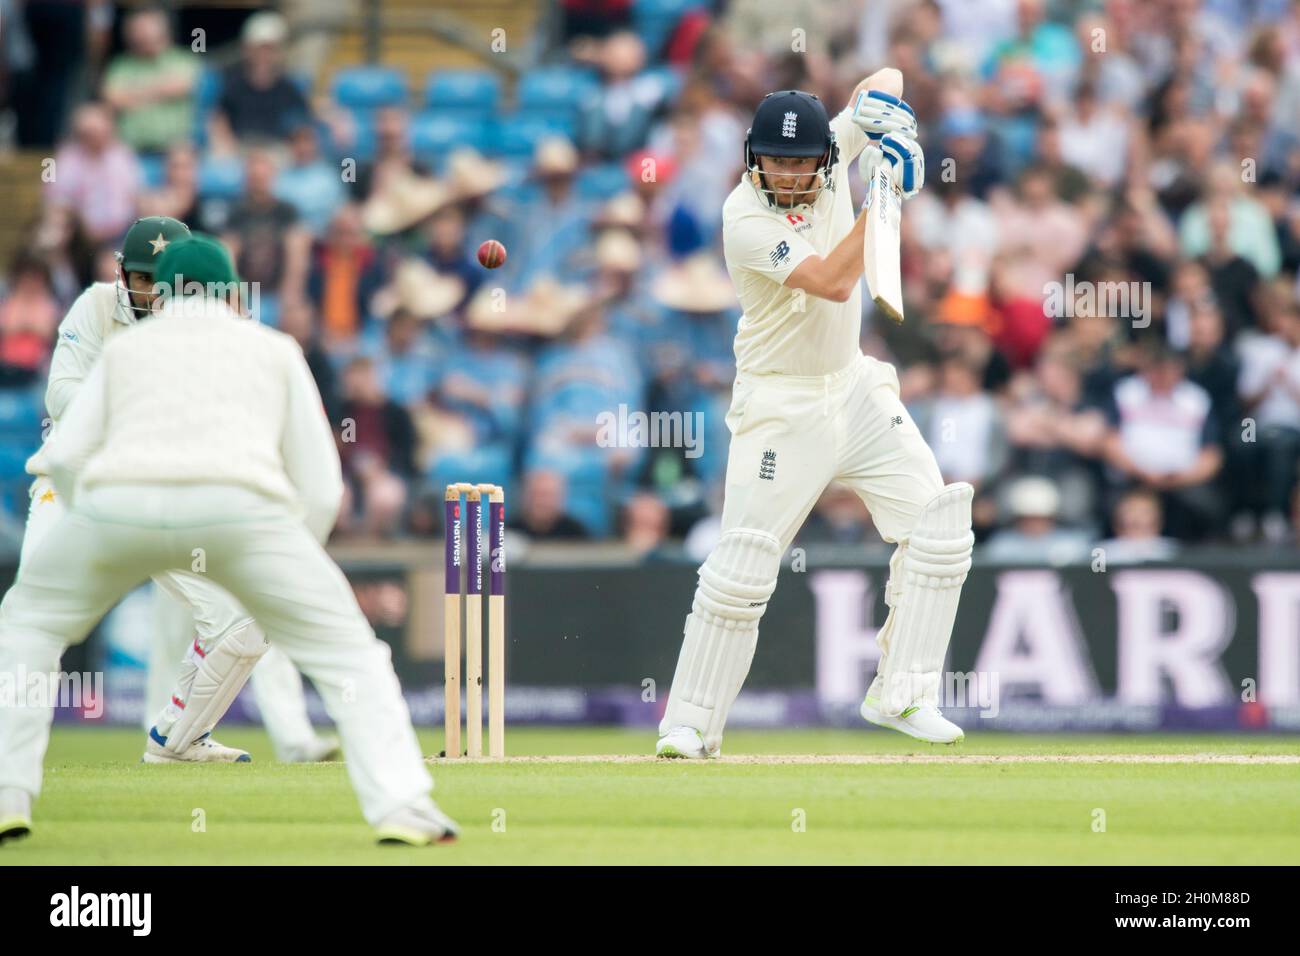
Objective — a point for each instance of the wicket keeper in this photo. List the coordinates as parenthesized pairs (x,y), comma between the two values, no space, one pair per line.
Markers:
(809,408)
(204,675)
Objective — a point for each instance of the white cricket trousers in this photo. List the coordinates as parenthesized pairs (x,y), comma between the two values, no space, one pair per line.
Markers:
(184,603)
(116,536)
(791,436)
(849,426)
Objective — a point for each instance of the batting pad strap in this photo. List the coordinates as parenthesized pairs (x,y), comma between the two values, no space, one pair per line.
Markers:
(934,564)
(739,576)
(219,673)
(943,558)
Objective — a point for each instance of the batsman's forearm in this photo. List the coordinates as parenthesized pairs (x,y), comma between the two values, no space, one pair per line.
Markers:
(835,275)
(846,257)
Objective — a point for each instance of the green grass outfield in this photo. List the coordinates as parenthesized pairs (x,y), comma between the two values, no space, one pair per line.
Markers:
(994,799)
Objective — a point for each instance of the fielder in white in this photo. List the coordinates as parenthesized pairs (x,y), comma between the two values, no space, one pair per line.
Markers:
(200,432)
(809,408)
(205,645)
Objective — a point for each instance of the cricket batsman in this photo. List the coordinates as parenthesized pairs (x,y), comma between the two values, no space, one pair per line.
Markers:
(199,431)
(809,408)
(229,643)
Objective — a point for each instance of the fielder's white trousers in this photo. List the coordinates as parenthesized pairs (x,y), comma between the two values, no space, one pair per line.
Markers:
(117,536)
(184,603)
(848,426)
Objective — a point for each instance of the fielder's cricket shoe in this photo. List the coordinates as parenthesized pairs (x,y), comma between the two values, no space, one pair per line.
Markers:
(203,750)
(15,813)
(922,721)
(316,750)
(421,824)
(684,743)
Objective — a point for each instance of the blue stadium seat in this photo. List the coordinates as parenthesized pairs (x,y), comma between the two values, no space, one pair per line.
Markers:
(152,169)
(22,412)
(433,134)
(362,147)
(555,89)
(465,91)
(13,457)
(207,90)
(369,87)
(517,136)
(602,182)
(655,20)
(221,178)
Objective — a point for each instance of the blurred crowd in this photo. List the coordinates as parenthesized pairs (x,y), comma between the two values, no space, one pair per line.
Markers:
(1102,276)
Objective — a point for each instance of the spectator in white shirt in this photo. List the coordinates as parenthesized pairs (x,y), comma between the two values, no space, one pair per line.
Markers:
(1095,138)
(963,424)
(1163,437)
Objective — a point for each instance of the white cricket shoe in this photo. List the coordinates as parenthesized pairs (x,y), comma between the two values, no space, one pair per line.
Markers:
(684,743)
(316,750)
(922,721)
(203,750)
(420,824)
(15,813)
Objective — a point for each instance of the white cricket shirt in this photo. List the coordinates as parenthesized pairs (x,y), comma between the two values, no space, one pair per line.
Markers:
(785,330)
(201,395)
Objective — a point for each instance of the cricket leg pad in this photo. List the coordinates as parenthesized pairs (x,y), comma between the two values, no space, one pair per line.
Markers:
(721,632)
(933,563)
(214,675)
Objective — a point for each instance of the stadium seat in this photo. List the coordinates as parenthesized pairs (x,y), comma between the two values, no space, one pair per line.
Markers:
(13,457)
(362,145)
(518,135)
(207,92)
(22,412)
(152,169)
(602,182)
(369,87)
(435,134)
(220,178)
(555,89)
(462,91)
(655,21)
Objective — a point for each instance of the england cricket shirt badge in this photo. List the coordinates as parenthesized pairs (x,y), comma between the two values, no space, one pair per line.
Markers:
(767,470)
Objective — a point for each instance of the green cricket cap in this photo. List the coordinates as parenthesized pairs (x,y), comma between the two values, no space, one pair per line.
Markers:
(147,239)
(198,258)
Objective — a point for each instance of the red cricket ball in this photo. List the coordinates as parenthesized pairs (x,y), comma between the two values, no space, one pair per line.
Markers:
(491,254)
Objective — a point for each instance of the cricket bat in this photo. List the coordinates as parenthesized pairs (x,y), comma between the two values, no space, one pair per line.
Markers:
(880,244)
(884,206)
